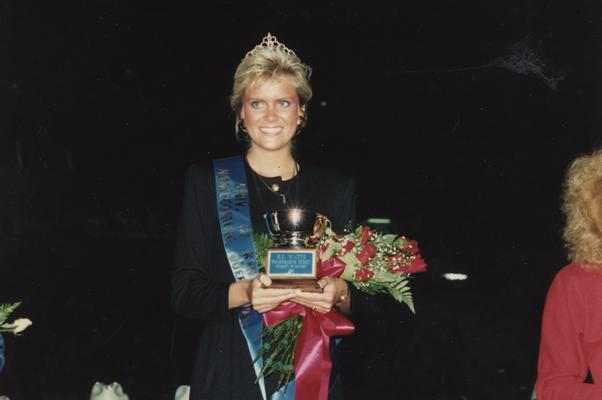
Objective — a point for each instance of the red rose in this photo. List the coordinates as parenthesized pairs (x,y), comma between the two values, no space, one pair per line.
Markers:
(348,247)
(365,236)
(366,254)
(371,249)
(363,275)
(417,265)
(411,246)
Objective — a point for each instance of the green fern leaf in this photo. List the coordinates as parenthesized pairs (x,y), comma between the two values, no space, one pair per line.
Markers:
(6,310)
(262,243)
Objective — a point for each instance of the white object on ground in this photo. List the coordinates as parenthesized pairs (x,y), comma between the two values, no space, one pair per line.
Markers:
(183,392)
(100,391)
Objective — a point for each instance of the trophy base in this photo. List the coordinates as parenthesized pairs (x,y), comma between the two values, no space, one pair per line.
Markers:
(306,285)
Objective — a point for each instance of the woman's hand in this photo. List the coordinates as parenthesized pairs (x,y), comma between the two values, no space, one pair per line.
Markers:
(264,299)
(333,290)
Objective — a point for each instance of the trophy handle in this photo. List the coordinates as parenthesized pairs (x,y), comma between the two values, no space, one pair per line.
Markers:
(271,219)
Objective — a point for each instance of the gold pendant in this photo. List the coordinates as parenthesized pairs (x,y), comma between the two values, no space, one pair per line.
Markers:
(275,187)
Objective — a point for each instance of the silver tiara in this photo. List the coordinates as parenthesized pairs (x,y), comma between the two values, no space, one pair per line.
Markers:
(270,42)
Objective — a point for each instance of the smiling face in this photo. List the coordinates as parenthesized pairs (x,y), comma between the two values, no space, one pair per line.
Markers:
(271,113)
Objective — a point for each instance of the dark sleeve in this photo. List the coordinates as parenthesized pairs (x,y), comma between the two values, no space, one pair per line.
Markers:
(345,213)
(195,293)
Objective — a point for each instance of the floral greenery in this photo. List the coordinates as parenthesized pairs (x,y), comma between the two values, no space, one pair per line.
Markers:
(262,243)
(17,326)
(374,263)
(279,340)
(6,310)
(279,343)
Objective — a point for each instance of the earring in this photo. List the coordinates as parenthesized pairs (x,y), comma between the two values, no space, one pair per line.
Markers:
(240,126)
(301,123)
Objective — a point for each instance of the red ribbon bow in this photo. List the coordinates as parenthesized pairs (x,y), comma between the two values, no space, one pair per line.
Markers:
(312,353)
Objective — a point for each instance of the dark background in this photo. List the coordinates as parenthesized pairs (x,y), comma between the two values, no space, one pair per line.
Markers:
(458,120)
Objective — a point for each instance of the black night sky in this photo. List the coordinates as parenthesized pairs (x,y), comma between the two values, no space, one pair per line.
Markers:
(457,119)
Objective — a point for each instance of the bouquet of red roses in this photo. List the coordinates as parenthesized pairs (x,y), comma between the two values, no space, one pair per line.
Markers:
(374,262)
(371,261)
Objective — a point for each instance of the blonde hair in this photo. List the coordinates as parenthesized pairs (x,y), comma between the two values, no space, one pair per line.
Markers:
(582,206)
(266,63)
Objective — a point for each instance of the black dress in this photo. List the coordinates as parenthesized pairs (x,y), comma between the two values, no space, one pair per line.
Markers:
(222,368)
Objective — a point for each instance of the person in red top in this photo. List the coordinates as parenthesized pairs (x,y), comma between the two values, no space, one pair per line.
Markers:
(571,336)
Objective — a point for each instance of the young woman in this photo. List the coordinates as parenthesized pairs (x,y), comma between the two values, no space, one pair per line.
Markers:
(270,97)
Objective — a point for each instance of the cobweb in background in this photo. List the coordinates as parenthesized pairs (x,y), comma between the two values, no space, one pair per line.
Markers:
(525,58)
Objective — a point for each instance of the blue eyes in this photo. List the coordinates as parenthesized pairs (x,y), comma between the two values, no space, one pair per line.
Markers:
(258,104)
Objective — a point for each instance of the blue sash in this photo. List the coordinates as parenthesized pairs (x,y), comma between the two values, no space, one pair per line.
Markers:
(1,353)
(237,234)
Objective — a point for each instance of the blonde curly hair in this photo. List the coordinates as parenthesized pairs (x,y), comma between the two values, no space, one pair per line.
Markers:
(582,207)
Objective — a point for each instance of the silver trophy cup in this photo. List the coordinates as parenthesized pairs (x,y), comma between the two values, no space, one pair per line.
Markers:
(291,263)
